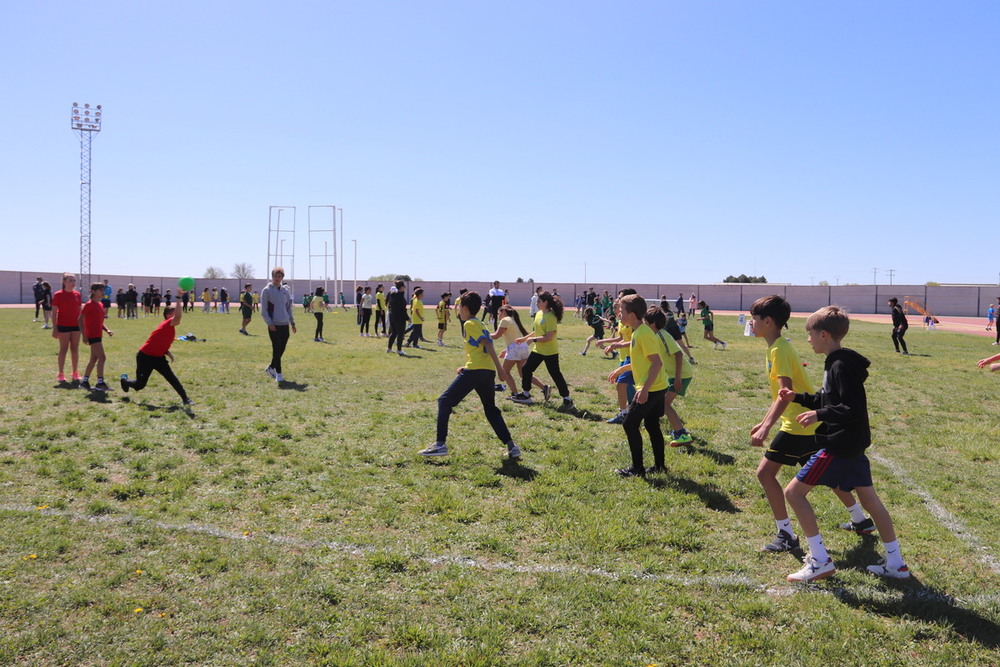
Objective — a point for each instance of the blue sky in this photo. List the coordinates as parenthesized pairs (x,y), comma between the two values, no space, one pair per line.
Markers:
(645,141)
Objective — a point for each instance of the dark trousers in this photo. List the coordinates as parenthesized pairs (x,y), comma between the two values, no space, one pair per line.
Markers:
(897,338)
(38,305)
(416,335)
(482,382)
(144,367)
(366,320)
(319,325)
(645,414)
(551,365)
(397,327)
(380,318)
(279,340)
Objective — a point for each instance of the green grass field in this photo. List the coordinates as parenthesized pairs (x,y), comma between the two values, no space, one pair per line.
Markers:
(298,525)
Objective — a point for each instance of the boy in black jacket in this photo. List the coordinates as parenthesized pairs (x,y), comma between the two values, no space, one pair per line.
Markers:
(844,435)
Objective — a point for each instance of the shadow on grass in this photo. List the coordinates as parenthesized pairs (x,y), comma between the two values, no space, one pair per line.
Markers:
(152,407)
(700,446)
(292,386)
(916,600)
(98,397)
(514,469)
(713,498)
(574,411)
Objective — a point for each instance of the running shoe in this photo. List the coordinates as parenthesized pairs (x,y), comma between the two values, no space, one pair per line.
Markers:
(681,439)
(883,569)
(866,527)
(124,382)
(76,375)
(102,386)
(782,543)
(436,449)
(60,378)
(618,418)
(546,392)
(522,398)
(812,570)
(656,470)
(273,373)
(85,385)
(513,451)
(630,472)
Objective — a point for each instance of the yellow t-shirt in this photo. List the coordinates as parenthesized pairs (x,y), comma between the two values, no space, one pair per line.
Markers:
(670,360)
(442,312)
(544,323)
(317,304)
(783,361)
(644,343)
(625,332)
(417,310)
(476,338)
(510,331)
(379,301)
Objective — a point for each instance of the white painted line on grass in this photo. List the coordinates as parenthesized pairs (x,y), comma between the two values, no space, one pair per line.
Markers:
(947,519)
(358,550)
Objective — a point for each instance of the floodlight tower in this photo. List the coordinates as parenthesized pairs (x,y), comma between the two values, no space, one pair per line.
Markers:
(86,122)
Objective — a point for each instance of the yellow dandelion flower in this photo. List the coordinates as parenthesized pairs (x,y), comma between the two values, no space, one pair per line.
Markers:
(138,610)
(32,556)
(140,571)
(163,614)
(42,507)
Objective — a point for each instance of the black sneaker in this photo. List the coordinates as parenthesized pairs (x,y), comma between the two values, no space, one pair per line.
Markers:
(499,387)
(85,385)
(656,470)
(866,527)
(125,382)
(781,543)
(102,386)
(631,472)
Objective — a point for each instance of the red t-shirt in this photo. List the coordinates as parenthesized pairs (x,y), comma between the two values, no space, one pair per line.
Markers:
(93,319)
(68,305)
(160,340)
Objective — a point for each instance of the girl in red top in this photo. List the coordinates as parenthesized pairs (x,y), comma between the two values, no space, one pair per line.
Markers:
(152,356)
(66,306)
(92,324)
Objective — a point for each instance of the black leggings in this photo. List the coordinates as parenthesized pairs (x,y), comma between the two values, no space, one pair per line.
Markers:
(144,367)
(366,320)
(279,340)
(897,338)
(416,335)
(319,325)
(647,414)
(551,365)
(397,327)
(380,318)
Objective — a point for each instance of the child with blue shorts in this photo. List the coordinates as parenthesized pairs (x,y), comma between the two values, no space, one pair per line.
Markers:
(844,435)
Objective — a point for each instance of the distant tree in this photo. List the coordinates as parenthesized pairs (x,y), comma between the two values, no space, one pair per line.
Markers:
(214,273)
(824,283)
(933,283)
(405,278)
(519,280)
(385,277)
(243,271)
(744,278)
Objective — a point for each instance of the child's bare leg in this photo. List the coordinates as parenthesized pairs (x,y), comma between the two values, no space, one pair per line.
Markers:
(622,390)
(846,497)
(767,475)
(63,347)
(74,349)
(101,357)
(795,494)
(92,361)
(507,365)
(587,346)
(672,416)
(877,511)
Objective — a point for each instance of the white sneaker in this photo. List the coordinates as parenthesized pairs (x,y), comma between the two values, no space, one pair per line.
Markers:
(270,371)
(715,346)
(279,377)
(436,449)
(723,345)
(883,569)
(812,570)
(522,398)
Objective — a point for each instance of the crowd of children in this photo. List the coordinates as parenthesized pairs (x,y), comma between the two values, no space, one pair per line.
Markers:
(825,432)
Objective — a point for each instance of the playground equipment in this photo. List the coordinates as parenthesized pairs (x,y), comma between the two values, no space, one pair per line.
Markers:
(911,302)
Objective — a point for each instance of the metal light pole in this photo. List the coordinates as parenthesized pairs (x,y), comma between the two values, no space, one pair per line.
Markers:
(355,242)
(326,278)
(86,122)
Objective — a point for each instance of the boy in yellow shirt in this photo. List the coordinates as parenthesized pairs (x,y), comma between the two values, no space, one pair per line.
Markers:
(481,369)
(794,444)
(417,318)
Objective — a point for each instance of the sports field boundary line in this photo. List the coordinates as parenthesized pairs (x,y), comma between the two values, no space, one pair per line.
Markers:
(946,518)
(473,563)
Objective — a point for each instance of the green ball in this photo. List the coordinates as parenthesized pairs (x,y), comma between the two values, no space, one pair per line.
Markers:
(186,284)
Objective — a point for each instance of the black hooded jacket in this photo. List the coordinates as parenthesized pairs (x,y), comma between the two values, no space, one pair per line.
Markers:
(841,404)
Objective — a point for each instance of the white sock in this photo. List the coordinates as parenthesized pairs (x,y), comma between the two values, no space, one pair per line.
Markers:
(785,525)
(893,558)
(817,548)
(857,514)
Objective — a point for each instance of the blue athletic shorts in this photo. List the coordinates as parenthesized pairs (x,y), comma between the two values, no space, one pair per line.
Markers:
(825,469)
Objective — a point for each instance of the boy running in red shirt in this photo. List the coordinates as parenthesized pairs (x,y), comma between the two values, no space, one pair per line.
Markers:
(92,325)
(152,356)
